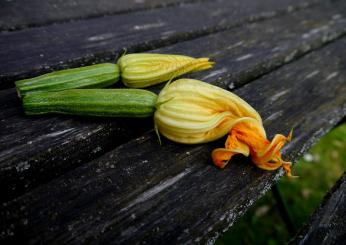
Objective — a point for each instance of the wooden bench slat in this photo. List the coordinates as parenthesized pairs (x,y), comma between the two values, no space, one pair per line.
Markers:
(143,192)
(36,149)
(18,14)
(34,51)
(327,225)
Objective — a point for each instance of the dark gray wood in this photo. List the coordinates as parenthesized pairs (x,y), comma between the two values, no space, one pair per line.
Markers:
(37,149)
(328,224)
(18,14)
(34,51)
(141,192)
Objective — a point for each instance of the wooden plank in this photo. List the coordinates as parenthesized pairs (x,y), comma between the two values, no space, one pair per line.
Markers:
(36,149)
(34,51)
(19,14)
(327,225)
(141,192)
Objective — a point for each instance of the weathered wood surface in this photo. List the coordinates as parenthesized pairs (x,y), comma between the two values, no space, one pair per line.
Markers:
(36,149)
(34,51)
(328,224)
(141,192)
(18,14)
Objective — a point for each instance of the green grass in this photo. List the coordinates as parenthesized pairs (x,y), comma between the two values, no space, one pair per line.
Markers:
(320,168)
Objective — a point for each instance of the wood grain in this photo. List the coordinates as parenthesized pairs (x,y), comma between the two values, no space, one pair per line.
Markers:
(327,225)
(37,149)
(33,51)
(141,192)
(19,14)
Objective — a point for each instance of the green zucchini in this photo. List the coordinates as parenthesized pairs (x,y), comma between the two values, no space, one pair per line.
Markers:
(92,102)
(94,76)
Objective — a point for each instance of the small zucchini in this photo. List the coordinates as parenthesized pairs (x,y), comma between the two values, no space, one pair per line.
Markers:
(94,76)
(92,102)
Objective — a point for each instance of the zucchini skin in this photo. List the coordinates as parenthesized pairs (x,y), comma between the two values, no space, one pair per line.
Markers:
(94,76)
(92,102)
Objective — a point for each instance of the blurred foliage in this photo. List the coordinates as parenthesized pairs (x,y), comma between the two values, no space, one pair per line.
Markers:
(319,169)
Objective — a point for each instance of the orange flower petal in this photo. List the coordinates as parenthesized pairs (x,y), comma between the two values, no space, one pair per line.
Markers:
(221,157)
(269,165)
(236,146)
(249,138)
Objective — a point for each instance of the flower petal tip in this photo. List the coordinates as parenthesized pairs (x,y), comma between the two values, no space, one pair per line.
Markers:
(221,157)
(289,136)
(287,167)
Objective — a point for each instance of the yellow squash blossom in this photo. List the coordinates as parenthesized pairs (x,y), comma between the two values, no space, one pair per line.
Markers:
(143,70)
(191,112)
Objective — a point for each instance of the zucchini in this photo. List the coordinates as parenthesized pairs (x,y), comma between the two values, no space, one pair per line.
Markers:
(94,76)
(92,102)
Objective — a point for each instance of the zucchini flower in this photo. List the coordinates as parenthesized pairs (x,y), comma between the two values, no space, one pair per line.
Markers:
(190,112)
(143,70)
